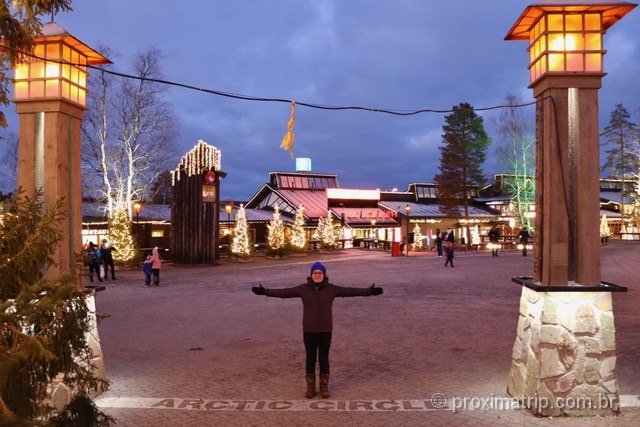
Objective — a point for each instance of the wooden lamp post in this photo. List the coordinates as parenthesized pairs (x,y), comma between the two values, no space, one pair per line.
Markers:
(565,348)
(50,88)
(50,93)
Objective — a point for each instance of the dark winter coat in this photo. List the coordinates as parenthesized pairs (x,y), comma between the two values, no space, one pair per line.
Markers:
(317,301)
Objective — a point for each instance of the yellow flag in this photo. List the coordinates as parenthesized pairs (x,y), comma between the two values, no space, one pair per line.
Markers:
(287,141)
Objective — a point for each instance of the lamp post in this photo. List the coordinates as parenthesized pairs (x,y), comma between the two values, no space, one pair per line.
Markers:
(50,89)
(407,211)
(566,49)
(228,208)
(137,207)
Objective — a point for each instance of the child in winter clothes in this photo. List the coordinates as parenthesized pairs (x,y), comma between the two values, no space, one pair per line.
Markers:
(156,263)
(449,252)
(147,268)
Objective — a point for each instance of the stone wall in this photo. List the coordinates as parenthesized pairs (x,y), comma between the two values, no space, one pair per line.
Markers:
(564,360)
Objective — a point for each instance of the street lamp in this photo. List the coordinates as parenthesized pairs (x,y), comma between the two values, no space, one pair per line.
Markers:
(407,211)
(137,207)
(228,208)
(50,86)
(566,49)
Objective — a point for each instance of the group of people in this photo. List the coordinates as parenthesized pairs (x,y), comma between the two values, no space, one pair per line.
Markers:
(100,261)
(445,241)
(494,239)
(151,266)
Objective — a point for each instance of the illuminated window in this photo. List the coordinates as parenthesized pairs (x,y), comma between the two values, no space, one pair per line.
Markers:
(159,232)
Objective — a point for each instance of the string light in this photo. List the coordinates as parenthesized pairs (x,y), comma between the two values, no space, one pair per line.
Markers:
(201,156)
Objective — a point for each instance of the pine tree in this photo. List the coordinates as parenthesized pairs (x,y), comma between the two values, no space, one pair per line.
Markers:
(417,237)
(298,235)
(623,158)
(44,323)
(325,232)
(605,231)
(121,236)
(275,234)
(461,158)
(240,243)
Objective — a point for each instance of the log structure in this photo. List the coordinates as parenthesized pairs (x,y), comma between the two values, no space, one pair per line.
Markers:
(195,206)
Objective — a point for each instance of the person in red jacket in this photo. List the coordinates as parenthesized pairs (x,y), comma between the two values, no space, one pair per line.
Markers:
(317,321)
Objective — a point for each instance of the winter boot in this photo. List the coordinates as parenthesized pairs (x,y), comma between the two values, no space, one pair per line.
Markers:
(311,385)
(324,386)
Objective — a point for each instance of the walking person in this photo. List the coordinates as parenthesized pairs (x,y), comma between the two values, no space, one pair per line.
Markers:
(147,269)
(449,252)
(107,259)
(439,242)
(494,239)
(156,264)
(317,296)
(93,261)
(524,237)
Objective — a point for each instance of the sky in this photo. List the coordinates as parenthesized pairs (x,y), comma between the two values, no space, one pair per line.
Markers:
(386,54)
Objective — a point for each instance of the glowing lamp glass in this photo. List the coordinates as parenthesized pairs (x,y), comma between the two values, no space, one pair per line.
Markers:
(55,71)
(566,42)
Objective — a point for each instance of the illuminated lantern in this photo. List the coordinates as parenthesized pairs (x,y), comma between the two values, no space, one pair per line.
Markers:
(57,69)
(566,68)
(50,93)
(565,292)
(565,37)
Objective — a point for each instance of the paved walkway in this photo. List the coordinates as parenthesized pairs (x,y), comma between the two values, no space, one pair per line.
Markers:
(202,350)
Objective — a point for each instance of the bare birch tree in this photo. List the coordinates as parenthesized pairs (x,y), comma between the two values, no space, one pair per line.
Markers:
(517,150)
(127,133)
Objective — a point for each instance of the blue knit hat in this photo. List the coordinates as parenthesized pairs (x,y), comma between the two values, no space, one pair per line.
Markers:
(318,266)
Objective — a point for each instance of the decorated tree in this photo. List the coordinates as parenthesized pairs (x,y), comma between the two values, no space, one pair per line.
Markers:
(121,237)
(475,235)
(325,232)
(276,241)
(45,322)
(605,231)
(298,235)
(417,238)
(240,243)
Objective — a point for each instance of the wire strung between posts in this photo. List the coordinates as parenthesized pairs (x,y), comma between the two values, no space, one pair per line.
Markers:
(263,99)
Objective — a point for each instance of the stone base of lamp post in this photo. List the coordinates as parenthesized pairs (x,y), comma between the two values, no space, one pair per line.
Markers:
(564,356)
(58,393)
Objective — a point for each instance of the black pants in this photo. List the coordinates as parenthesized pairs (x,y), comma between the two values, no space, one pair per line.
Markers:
(317,346)
(109,264)
(94,266)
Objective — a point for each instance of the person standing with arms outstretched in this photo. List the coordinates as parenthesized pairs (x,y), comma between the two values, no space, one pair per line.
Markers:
(317,296)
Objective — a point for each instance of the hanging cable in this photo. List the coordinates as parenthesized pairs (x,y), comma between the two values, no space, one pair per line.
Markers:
(396,112)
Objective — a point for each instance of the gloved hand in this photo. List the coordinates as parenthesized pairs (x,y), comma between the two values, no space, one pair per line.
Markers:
(375,291)
(259,290)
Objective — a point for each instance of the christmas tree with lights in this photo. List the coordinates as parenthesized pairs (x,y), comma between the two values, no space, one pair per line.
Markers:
(276,242)
(605,231)
(121,236)
(325,232)
(240,243)
(417,238)
(298,235)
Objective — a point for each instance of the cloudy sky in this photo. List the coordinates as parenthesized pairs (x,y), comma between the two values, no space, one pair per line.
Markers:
(388,54)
